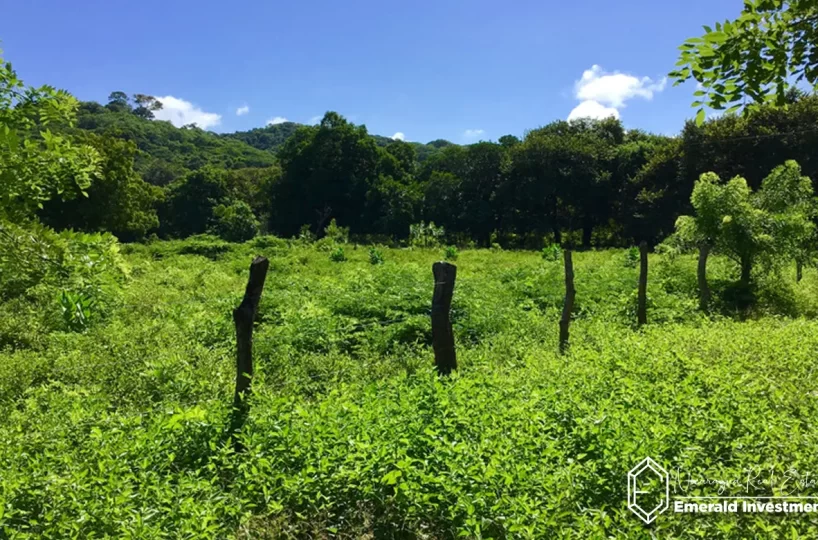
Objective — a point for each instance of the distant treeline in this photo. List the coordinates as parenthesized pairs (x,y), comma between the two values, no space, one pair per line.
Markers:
(588,182)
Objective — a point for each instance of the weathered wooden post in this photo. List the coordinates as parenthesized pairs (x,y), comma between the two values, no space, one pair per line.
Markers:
(243,317)
(442,335)
(568,303)
(641,307)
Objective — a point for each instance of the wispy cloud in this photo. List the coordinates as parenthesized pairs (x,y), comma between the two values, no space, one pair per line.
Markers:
(315,120)
(473,133)
(180,113)
(399,136)
(241,111)
(276,120)
(602,94)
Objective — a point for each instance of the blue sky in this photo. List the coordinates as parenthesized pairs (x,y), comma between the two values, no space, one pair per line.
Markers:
(461,71)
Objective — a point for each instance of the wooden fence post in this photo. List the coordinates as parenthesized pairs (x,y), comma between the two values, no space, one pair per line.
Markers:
(641,308)
(568,303)
(442,336)
(243,317)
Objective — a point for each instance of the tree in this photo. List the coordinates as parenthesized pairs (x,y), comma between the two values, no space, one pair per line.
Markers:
(36,164)
(118,102)
(770,46)
(146,106)
(191,200)
(327,171)
(234,222)
(118,201)
(769,226)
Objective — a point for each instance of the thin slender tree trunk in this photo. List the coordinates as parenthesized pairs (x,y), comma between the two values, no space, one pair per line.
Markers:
(642,301)
(587,232)
(799,270)
(557,235)
(568,303)
(746,269)
(704,290)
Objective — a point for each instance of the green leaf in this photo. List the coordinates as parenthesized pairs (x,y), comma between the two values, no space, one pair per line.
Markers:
(700,117)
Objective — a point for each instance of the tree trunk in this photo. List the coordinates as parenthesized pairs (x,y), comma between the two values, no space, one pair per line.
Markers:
(587,232)
(641,309)
(568,304)
(557,235)
(799,271)
(746,269)
(704,290)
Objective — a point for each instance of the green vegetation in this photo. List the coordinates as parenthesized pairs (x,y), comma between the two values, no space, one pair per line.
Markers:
(118,427)
(117,361)
(758,56)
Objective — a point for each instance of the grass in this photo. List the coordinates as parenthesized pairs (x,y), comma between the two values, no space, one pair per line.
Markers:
(121,431)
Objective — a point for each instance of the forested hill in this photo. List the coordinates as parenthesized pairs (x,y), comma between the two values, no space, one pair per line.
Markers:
(167,152)
(272,137)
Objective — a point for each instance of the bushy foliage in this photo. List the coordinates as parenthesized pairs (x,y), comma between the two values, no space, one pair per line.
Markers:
(347,409)
(234,222)
(552,252)
(337,255)
(336,234)
(425,235)
(450,253)
(375,256)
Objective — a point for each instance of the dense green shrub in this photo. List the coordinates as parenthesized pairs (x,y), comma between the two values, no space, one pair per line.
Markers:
(375,256)
(337,255)
(552,252)
(234,222)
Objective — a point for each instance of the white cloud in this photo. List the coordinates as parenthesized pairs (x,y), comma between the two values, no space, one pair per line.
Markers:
(241,111)
(315,120)
(399,136)
(602,94)
(592,109)
(615,88)
(473,133)
(180,113)
(276,120)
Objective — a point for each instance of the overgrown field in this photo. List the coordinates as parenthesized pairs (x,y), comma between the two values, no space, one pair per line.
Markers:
(117,428)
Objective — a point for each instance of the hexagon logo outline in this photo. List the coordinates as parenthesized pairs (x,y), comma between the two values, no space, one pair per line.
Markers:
(647,466)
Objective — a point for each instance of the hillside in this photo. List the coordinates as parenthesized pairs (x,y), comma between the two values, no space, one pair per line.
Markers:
(272,137)
(166,151)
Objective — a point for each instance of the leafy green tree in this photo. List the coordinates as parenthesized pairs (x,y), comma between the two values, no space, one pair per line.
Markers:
(36,164)
(767,226)
(191,201)
(788,197)
(146,106)
(559,179)
(756,56)
(118,200)
(508,141)
(118,102)
(327,172)
(234,222)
